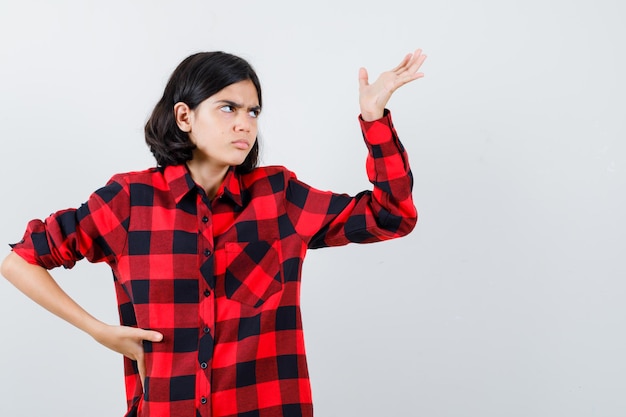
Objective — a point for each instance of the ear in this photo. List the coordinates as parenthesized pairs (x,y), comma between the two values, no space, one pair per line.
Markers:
(182,114)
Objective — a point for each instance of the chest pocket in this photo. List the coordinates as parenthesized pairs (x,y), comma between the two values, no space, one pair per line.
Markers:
(253,271)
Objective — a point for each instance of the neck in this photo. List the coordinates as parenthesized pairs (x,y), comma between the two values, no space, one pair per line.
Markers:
(208,176)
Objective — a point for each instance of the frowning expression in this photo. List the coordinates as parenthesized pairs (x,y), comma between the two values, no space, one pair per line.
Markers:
(224,126)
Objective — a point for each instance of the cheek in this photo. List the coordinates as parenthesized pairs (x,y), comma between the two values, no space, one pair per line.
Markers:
(205,133)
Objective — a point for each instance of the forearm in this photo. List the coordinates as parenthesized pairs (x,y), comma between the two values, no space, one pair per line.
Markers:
(38,285)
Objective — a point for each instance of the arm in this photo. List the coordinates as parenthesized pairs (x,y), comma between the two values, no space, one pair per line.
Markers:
(94,231)
(38,285)
(323,218)
(386,212)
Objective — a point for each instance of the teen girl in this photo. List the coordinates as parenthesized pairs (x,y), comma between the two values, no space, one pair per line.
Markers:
(206,248)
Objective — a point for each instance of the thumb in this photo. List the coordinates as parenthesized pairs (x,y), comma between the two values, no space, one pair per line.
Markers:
(363,77)
(150,335)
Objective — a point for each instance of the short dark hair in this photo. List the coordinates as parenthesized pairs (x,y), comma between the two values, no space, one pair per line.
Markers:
(196,78)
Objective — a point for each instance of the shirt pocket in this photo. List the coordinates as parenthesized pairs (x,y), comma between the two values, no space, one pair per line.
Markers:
(253,271)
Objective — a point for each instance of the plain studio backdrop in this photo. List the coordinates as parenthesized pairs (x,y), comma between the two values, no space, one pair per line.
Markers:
(506,300)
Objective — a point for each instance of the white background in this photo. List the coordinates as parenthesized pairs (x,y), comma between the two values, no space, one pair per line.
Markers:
(506,300)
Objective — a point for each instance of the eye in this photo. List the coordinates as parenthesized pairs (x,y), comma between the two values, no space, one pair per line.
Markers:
(254,113)
(227,108)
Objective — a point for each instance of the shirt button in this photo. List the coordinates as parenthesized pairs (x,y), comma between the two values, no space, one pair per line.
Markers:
(203,365)
(207,252)
(205,219)
(206,330)
(207,293)
(203,400)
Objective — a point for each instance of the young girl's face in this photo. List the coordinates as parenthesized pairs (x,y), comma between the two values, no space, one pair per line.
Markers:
(224,126)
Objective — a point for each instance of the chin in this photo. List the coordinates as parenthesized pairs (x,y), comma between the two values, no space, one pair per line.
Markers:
(237,161)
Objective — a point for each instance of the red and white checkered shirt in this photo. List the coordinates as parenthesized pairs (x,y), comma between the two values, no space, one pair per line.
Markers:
(220,279)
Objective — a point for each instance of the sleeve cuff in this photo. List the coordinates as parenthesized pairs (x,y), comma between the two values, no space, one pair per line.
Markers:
(379,131)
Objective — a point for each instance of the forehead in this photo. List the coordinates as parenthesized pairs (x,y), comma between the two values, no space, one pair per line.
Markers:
(242,92)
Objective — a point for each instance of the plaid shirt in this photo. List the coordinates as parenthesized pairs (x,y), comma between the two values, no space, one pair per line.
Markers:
(220,279)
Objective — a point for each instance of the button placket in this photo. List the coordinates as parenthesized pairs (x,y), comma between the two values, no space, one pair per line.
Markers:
(205,241)
(206,310)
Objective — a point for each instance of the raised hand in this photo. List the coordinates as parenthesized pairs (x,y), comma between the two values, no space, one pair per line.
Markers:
(374,97)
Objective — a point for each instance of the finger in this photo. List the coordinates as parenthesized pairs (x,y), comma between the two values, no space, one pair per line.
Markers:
(411,77)
(408,61)
(150,335)
(363,77)
(407,79)
(417,54)
(141,368)
(414,63)
(417,62)
(403,63)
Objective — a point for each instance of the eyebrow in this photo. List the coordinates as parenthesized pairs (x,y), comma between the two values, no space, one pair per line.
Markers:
(237,105)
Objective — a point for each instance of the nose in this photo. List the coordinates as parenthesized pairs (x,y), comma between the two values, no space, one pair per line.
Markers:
(243,122)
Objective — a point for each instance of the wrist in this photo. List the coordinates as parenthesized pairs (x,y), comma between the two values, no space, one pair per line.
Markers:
(95,328)
(369,116)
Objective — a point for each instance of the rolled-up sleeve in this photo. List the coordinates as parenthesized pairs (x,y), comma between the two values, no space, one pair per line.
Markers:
(97,231)
(386,212)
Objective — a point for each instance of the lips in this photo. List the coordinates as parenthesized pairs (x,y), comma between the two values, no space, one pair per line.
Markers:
(241,144)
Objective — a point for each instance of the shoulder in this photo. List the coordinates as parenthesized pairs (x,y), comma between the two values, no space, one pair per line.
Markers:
(265,172)
(145,176)
(275,176)
(121,183)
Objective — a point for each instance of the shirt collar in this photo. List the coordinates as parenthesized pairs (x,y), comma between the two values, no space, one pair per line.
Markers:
(180,183)
(231,187)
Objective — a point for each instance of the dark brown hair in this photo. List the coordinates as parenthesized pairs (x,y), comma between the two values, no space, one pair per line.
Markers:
(196,78)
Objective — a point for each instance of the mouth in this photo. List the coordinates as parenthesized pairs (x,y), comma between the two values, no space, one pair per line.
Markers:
(241,144)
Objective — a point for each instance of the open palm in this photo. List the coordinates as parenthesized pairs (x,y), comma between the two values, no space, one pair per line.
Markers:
(374,97)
